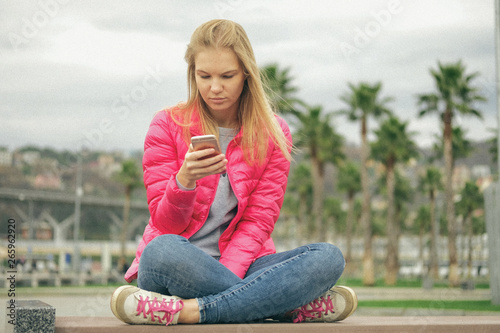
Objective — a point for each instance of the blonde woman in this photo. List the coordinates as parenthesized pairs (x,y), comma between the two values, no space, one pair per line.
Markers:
(207,255)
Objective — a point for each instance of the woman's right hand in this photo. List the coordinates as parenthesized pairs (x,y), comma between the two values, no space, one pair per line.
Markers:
(199,164)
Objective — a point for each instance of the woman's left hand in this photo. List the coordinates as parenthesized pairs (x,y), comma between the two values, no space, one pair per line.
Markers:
(199,164)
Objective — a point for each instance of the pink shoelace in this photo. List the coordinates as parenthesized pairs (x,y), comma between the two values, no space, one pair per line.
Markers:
(315,309)
(153,307)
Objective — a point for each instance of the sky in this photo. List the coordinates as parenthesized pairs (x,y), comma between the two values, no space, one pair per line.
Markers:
(92,74)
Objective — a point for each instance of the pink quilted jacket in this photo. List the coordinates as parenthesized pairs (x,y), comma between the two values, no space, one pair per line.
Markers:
(259,190)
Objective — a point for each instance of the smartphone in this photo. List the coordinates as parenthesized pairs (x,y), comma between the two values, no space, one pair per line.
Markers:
(204,142)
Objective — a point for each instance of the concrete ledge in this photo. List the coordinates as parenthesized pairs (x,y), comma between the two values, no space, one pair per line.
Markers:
(479,324)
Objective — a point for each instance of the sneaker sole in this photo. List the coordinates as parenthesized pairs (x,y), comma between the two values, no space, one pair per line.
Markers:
(346,292)
(114,300)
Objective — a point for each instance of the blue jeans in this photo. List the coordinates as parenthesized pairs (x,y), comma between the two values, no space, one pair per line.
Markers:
(274,284)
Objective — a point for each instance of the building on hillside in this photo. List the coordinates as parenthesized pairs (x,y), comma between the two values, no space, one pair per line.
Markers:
(30,157)
(6,158)
(47,181)
(107,165)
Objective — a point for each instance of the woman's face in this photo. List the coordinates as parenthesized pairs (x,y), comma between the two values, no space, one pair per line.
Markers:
(220,81)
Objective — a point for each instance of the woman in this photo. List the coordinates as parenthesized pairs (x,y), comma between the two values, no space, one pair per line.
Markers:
(208,239)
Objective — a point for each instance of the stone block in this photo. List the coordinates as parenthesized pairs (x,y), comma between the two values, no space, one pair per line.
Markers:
(30,316)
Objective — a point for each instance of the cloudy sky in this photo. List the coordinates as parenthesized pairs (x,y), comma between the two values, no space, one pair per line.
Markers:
(93,73)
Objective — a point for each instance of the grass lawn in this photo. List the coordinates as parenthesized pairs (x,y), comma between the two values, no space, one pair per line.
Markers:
(406,283)
(432,304)
(467,305)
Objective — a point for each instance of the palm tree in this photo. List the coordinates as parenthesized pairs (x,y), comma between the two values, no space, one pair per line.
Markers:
(349,181)
(393,145)
(460,146)
(300,183)
(493,142)
(364,101)
(333,215)
(455,94)
(403,194)
(279,88)
(431,183)
(131,177)
(422,222)
(323,146)
(471,199)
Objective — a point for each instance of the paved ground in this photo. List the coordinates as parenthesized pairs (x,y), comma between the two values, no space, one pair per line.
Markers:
(357,324)
(94,302)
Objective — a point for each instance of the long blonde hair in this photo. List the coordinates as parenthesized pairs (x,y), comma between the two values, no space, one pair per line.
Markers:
(255,115)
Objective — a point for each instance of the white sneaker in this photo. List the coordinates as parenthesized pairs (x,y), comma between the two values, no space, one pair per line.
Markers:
(133,305)
(336,304)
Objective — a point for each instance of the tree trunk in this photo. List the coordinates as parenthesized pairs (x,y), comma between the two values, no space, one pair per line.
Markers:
(124,231)
(368,265)
(434,261)
(349,267)
(303,221)
(330,226)
(421,234)
(462,248)
(317,173)
(469,245)
(392,262)
(450,204)
(349,227)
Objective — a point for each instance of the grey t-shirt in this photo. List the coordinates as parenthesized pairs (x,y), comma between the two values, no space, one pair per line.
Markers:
(223,209)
